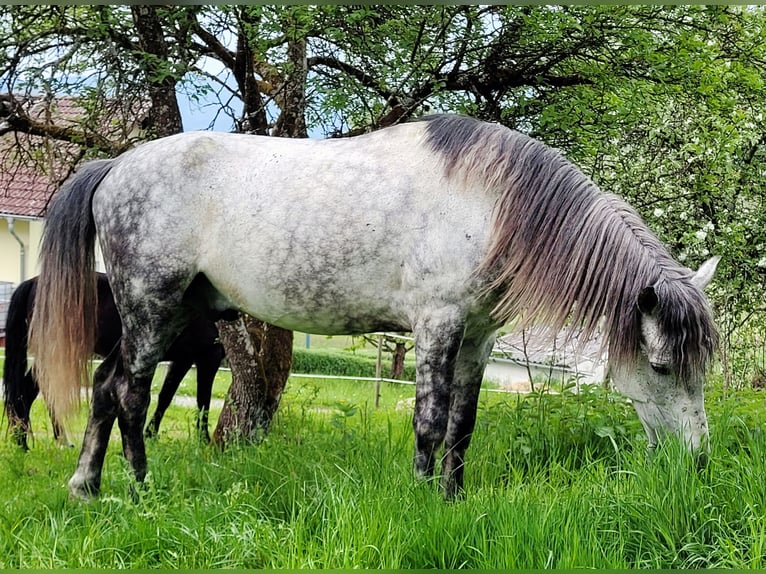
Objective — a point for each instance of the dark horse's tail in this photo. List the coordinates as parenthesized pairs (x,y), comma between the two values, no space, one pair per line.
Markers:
(15,367)
(62,329)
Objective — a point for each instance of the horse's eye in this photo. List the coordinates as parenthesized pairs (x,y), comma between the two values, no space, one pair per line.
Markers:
(660,369)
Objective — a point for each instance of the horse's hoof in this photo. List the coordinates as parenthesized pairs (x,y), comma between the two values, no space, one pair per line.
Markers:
(20,438)
(452,492)
(83,490)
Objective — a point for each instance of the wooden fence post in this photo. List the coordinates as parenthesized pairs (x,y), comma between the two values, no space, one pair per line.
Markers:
(378,370)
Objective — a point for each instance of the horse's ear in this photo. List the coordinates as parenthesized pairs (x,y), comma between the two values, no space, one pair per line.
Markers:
(704,274)
(647,301)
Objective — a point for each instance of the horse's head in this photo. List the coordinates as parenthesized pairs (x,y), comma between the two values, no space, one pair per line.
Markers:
(666,402)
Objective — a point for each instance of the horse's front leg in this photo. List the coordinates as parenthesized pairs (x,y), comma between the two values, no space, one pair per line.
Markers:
(18,410)
(464,398)
(176,372)
(437,341)
(86,481)
(206,370)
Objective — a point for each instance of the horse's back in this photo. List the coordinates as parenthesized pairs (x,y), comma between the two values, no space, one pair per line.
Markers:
(327,236)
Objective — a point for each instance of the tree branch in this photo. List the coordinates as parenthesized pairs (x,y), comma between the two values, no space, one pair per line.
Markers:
(15,119)
(226,56)
(361,76)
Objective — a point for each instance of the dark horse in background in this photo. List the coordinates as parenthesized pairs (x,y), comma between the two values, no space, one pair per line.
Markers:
(197,344)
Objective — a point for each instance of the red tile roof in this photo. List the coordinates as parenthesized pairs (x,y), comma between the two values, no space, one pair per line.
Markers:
(24,194)
(25,188)
(33,167)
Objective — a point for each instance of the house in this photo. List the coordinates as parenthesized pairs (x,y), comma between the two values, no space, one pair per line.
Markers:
(32,168)
(538,355)
(24,194)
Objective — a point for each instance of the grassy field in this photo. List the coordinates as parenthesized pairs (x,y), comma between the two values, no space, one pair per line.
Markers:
(552,481)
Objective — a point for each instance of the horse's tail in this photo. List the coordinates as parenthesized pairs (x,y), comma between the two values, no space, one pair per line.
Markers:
(15,367)
(62,329)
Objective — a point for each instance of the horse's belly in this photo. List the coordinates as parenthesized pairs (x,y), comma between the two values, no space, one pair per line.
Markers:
(323,288)
(352,323)
(330,303)
(335,269)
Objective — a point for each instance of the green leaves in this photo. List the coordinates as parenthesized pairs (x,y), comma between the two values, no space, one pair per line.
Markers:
(660,104)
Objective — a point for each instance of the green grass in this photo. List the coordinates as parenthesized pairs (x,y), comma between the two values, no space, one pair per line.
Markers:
(552,481)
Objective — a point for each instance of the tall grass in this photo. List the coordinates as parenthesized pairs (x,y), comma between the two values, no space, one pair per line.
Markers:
(552,481)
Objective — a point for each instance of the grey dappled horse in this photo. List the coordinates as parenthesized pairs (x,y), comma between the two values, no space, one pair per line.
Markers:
(448,228)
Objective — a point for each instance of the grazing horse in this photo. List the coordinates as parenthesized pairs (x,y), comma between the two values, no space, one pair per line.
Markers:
(447,227)
(197,344)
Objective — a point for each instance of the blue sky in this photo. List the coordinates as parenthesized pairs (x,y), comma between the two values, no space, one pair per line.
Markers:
(196,119)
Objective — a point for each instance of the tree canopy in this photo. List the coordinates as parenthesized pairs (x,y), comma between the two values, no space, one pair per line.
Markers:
(662,105)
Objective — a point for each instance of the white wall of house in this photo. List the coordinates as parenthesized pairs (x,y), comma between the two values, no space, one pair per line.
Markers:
(512,374)
(29,231)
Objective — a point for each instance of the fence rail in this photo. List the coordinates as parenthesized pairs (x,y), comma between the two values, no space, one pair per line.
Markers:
(318,376)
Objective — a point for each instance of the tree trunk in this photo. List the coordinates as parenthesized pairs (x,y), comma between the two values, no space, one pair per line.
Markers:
(292,120)
(397,365)
(260,356)
(165,116)
(253,119)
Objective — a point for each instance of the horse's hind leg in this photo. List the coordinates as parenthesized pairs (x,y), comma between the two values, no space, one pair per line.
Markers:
(437,341)
(86,481)
(133,403)
(176,372)
(464,397)
(143,345)
(122,391)
(116,395)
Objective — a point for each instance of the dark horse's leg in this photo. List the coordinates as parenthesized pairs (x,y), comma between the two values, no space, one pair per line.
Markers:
(207,367)
(18,414)
(197,344)
(19,388)
(176,372)
(18,409)
(437,341)
(464,397)
(59,432)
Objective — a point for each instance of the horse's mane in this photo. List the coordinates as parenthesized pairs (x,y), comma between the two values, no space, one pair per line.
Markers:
(563,252)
